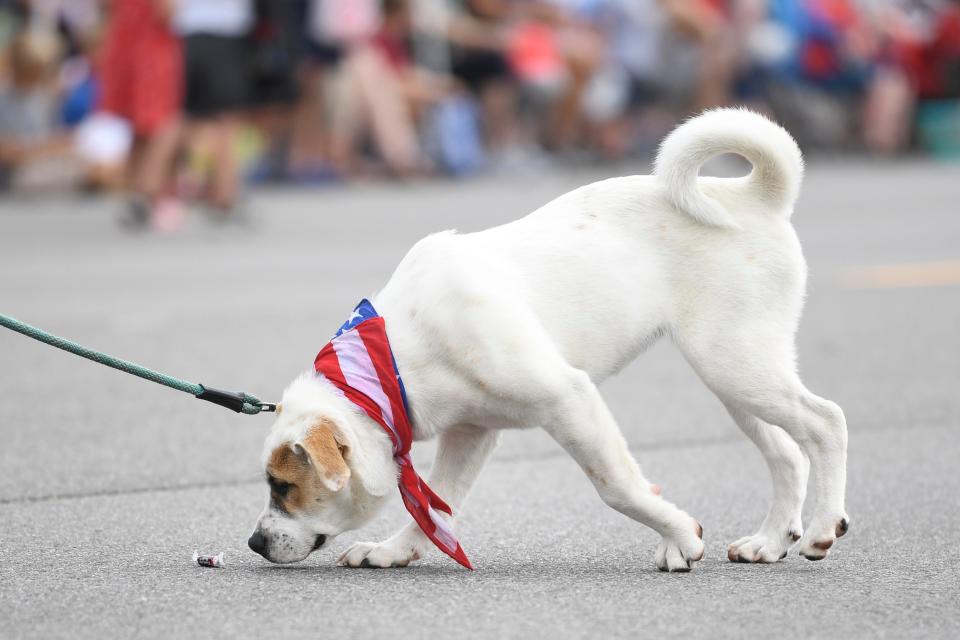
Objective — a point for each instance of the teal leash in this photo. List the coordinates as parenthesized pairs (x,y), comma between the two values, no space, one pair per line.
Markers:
(235,400)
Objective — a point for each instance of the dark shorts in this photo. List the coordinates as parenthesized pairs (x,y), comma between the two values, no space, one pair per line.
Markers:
(217,74)
(324,53)
(277,49)
(478,67)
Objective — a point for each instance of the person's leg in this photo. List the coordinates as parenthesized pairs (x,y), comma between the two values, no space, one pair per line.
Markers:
(153,176)
(391,119)
(347,115)
(887,112)
(498,100)
(137,212)
(225,179)
(221,91)
(308,139)
(718,66)
(582,50)
(198,129)
(155,163)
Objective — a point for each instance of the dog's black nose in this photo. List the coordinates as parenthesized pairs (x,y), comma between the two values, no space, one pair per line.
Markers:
(319,541)
(258,543)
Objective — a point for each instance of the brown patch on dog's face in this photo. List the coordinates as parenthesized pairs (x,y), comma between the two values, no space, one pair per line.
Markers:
(290,478)
(304,473)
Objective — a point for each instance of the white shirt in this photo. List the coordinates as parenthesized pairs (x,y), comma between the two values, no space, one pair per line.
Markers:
(214,17)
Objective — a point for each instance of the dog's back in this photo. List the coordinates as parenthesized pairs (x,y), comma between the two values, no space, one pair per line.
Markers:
(644,251)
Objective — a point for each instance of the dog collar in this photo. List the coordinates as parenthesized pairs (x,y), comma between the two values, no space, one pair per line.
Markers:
(359,362)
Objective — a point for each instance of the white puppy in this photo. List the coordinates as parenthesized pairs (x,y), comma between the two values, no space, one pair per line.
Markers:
(515,326)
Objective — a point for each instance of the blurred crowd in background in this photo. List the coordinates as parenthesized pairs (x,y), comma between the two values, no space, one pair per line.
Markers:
(188,100)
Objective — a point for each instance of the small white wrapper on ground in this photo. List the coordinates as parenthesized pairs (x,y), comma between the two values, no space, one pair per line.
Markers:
(214,562)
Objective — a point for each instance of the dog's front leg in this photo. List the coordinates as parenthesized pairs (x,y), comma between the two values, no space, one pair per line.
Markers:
(583,425)
(461,454)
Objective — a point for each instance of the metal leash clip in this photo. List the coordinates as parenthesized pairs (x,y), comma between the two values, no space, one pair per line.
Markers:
(235,400)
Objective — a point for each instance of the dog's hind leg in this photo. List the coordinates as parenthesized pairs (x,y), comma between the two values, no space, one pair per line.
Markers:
(788,469)
(462,452)
(582,424)
(754,370)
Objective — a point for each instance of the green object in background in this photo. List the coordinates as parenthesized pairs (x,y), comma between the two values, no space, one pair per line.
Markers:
(938,124)
(235,400)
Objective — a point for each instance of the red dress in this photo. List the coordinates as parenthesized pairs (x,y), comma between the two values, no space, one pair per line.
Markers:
(141,66)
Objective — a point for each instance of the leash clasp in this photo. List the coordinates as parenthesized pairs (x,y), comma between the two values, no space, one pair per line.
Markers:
(235,400)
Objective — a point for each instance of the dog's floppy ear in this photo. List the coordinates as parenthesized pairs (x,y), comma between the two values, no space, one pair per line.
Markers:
(326,453)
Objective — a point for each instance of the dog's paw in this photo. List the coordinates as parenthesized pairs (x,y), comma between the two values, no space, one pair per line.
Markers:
(382,555)
(678,554)
(821,536)
(764,547)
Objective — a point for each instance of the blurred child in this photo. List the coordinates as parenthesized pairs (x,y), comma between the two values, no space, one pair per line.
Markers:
(31,142)
(141,69)
(218,85)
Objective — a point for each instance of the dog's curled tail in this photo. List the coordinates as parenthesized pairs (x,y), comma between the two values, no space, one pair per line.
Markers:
(776,159)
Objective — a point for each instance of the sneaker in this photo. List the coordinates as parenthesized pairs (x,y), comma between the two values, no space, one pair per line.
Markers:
(135,216)
(167,216)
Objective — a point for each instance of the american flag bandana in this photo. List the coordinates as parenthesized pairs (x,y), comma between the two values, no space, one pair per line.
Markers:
(359,362)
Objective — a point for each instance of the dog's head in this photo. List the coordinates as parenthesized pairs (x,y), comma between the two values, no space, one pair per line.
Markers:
(328,468)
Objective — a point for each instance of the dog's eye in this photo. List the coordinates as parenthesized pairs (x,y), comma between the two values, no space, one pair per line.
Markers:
(279,487)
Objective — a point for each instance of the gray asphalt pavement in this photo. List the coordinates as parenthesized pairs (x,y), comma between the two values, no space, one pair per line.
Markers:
(109,483)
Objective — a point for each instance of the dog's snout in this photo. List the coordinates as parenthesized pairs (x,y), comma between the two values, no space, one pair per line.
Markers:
(319,541)
(258,543)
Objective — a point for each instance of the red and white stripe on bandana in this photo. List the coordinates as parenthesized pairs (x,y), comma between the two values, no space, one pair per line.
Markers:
(359,362)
